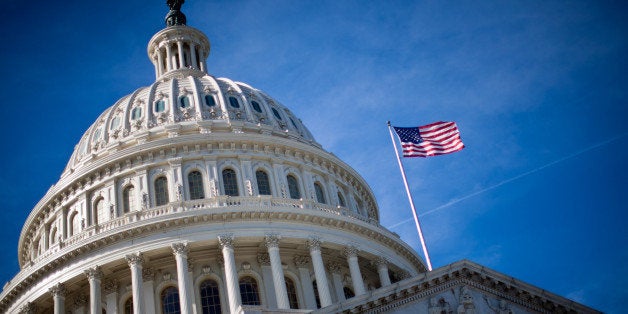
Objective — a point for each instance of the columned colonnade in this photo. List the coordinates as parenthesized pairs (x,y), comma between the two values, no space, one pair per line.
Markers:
(143,290)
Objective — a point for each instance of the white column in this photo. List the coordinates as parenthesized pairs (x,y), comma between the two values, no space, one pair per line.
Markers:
(149,290)
(382,270)
(193,55)
(135,263)
(354,268)
(336,280)
(180,251)
(58,296)
(272,243)
(168,57)
(267,278)
(110,288)
(231,276)
(93,276)
(306,282)
(319,271)
(181,56)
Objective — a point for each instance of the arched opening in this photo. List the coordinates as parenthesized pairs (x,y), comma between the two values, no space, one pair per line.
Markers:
(161,191)
(249,291)
(210,297)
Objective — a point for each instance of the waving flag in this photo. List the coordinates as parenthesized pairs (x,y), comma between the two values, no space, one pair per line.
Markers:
(434,139)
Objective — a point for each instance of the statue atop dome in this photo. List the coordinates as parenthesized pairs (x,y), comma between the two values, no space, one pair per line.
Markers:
(175,17)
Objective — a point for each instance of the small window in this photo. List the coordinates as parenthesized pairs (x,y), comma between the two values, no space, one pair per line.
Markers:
(292,293)
(293,187)
(160,105)
(115,122)
(348,293)
(161,191)
(249,291)
(184,102)
(320,196)
(170,301)
(294,124)
(210,101)
(263,184)
(100,211)
(276,113)
(97,134)
(210,297)
(136,113)
(256,106)
(128,199)
(341,200)
(230,182)
(128,306)
(234,102)
(195,185)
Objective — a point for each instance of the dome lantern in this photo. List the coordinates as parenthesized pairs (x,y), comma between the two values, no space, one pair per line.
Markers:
(178,50)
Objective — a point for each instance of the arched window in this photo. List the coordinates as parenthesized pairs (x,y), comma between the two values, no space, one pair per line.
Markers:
(263,184)
(53,236)
(249,291)
(210,101)
(170,301)
(320,196)
(136,113)
(348,293)
(75,224)
(100,210)
(230,182)
(256,106)
(294,124)
(160,105)
(316,297)
(128,199)
(276,113)
(293,187)
(341,200)
(234,102)
(195,185)
(210,297)
(184,102)
(115,122)
(292,293)
(128,306)
(161,191)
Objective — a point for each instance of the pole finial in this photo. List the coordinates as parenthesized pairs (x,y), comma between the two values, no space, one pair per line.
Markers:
(175,17)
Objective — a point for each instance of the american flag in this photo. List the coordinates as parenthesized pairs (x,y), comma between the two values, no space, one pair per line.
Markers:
(434,139)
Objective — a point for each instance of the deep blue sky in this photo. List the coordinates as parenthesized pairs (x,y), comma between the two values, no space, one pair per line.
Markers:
(539,90)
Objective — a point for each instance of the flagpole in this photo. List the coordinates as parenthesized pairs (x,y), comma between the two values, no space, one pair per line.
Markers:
(414,213)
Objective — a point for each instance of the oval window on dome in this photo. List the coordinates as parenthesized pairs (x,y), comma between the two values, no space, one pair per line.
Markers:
(136,113)
(256,106)
(184,102)
(234,102)
(160,105)
(294,124)
(276,113)
(210,101)
(115,122)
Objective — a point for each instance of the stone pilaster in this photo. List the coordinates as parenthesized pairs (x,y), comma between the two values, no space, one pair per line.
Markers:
(314,244)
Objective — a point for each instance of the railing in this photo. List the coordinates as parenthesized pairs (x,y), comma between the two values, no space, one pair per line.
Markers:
(262,202)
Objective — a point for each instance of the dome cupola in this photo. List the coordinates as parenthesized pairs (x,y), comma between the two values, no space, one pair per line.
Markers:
(178,50)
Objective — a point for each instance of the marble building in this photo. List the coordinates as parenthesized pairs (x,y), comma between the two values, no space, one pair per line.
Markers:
(200,194)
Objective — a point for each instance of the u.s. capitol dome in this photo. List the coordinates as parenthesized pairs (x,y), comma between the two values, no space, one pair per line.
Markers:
(200,194)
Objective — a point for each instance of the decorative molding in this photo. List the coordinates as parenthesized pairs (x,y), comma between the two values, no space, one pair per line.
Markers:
(135,259)
(180,248)
(58,290)
(148,274)
(263,259)
(350,251)
(301,260)
(93,273)
(314,243)
(272,240)
(226,240)
(333,266)
(110,286)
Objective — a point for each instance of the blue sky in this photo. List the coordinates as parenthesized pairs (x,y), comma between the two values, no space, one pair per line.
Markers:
(539,90)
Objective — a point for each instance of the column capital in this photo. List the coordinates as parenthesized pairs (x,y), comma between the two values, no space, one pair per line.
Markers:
(350,251)
(381,261)
(314,243)
(301,260)
(263,259)
(226,240)
(58,290)
(80,300)
(110,286)
(272,240)
(180,248)
(93,273)
(135,259)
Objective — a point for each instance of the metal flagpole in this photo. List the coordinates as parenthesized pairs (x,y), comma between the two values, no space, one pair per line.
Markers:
(416,217)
